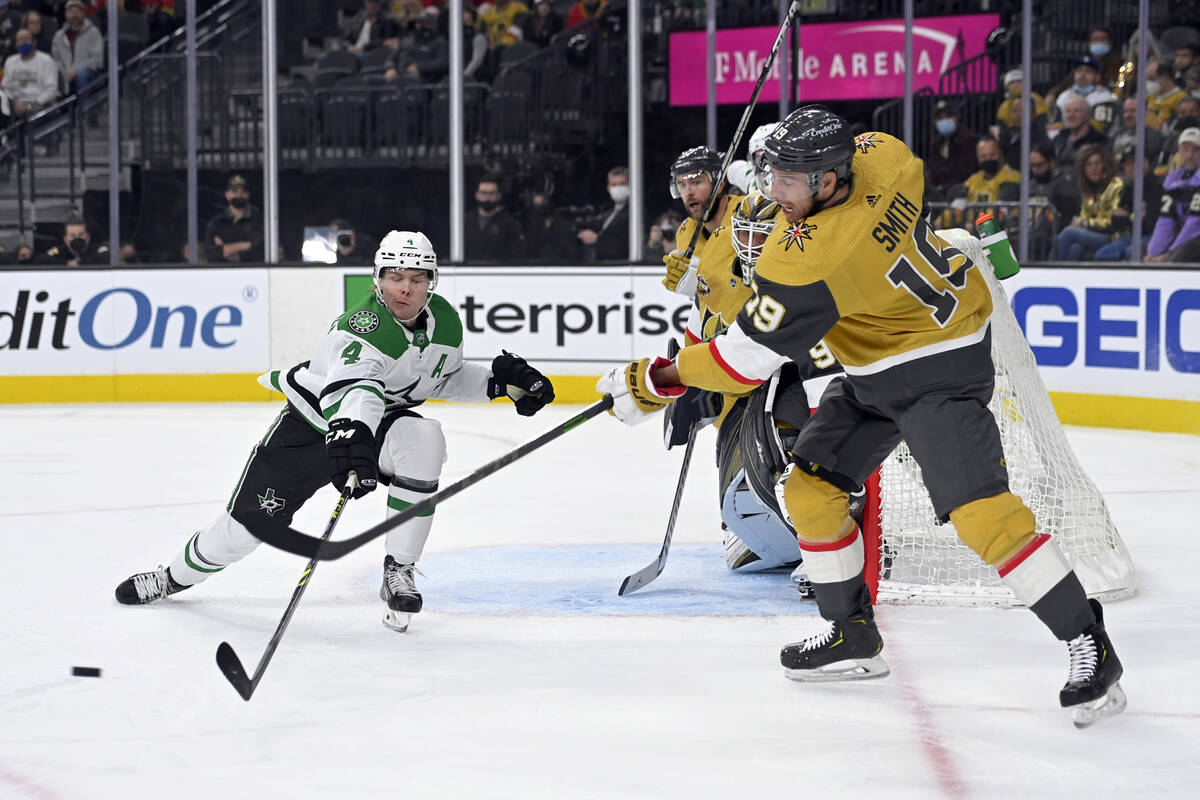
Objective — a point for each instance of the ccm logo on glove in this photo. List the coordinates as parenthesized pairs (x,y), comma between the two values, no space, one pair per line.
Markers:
(530,390)
(351,448)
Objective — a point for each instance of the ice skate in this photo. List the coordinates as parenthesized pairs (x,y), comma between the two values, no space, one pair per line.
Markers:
(847,650)
(146,587)
(1092,690)
(399,591)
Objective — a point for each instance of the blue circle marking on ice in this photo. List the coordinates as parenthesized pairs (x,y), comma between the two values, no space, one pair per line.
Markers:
(568,580)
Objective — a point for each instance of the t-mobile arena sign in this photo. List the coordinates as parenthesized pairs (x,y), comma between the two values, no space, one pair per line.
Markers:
(835,60)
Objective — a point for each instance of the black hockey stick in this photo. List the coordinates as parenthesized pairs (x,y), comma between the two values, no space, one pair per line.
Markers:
(228,661)
(291,540)
(741,128)
(652,570)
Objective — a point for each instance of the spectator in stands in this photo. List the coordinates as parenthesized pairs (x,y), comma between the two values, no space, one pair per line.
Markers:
(43,36)
(1187,55)
(492,233)
(10,23)
(548,236)
(499,21)
(1176,235)
(1086,84)
(1009,135)
(1120,248)
(422,55)
(1163,95)
(78,48)
(371,28)
(1101,190)
(542,24)
(405,13)
(1100,47)
(236,233)
(1056,196)
(23,254)
(1191,80)
(30,80)
(1077,131)
(128,253)
(606,236)
(353,249)
(661,239)
(1014,83)
(76,247)
(1123,135)
(952,151)
(995,180)
(583,10)
(475,45)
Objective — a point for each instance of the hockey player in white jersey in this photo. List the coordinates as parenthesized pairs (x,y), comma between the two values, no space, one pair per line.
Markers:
(349,418)
(745,174)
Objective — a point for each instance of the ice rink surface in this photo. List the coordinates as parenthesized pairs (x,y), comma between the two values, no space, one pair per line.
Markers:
(526,676)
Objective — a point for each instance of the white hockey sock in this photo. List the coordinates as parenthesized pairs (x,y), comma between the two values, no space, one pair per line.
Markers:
(211,550)
(406,541)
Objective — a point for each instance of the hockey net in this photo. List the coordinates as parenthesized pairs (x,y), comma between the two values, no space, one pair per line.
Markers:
(922,561)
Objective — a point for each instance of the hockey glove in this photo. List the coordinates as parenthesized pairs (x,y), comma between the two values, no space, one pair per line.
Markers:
(635,397)
(351,448)
(696,405)
(681,273)
(530,390)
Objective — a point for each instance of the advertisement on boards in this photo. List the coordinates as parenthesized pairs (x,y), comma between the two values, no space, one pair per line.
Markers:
(835,60)
(132,322)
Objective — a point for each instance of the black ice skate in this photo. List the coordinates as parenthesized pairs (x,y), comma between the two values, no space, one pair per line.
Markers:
(146,587)
(848,650)
(1092,691)
(399,591)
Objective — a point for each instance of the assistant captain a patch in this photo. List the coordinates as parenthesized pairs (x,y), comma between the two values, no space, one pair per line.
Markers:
(363,321)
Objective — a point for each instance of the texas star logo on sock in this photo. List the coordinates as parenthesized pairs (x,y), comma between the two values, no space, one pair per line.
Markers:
(270,503)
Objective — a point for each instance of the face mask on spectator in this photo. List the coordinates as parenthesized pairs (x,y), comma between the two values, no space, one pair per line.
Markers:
(1098,49)
(1153,87)
(946,126)
(1082,89)
(990,166)
(78,245)
(25,49)
(239,203)
(619,194)
(487,205)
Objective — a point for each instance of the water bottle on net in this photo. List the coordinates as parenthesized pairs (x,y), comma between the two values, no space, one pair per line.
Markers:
(995,241)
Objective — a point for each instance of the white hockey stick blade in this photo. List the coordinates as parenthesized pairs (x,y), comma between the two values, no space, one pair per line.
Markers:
(642,577)
(1114,701)
(852,669)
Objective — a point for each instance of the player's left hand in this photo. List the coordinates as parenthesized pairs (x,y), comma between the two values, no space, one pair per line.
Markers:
(682,272)
(530,390)
(635,397)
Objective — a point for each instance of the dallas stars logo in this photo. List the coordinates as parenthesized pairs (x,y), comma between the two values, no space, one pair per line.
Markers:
(797,234)
(865,141)
(270,503)
(363,322)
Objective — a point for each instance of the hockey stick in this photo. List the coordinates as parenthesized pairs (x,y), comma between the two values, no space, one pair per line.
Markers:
(291,540)
(228,661)
(652,570)
(741,128)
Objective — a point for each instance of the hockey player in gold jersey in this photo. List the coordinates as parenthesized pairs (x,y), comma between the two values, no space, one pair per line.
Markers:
(693,181)
(907,316)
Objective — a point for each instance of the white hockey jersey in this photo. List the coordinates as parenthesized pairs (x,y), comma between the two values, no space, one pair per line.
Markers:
(368,365)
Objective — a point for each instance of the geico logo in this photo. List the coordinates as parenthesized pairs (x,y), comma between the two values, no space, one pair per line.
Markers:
(113,319)
(572,318)
(1050,317)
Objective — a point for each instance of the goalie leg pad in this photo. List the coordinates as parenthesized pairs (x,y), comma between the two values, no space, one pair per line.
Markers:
(820,514)
(758,527)
(410,460)
(995,527)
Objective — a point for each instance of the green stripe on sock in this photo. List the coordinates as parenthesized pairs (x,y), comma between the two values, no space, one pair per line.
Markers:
(400,505)
(187,557)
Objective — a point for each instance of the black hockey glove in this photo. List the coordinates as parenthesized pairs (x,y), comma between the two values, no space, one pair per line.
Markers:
(696,405)
(530,390)
(351,448)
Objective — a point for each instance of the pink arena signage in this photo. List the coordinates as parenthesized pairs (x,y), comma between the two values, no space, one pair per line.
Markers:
(836,60)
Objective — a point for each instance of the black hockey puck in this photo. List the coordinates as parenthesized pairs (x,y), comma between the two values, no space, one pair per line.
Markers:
(85,672)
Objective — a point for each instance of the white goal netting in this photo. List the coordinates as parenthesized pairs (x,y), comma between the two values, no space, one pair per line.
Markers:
(922,561)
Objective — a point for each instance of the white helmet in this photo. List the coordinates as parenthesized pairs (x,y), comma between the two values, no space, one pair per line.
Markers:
(758,141)
(407,250)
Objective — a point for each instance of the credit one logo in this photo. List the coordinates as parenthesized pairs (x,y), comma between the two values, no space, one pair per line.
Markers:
(1157,330)
(36,322)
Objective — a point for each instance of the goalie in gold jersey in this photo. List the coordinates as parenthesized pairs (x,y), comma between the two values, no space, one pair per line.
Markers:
(907,316)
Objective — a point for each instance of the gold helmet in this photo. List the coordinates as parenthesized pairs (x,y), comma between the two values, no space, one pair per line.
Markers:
(753,220)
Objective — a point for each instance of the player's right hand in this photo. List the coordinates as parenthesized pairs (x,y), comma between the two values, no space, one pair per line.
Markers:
(351,448)
(681,273)
(635,397)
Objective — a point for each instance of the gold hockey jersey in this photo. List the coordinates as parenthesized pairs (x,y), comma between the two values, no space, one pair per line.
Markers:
(683,235)
(869,275)
(720,290)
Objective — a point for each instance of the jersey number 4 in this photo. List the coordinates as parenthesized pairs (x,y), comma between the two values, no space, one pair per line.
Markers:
(352,353)
(948,263)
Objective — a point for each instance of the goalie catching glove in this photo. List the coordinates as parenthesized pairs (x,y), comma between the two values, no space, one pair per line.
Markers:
(681,272)
(351,448)
(635,397)
(530,390)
